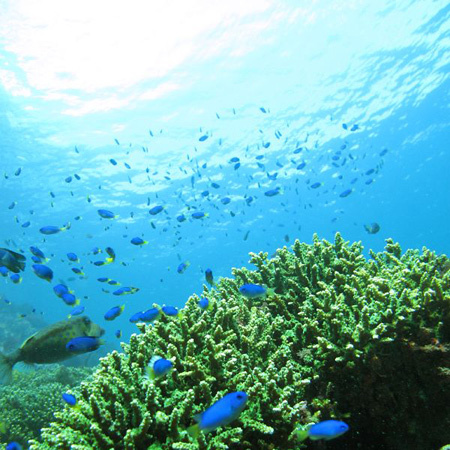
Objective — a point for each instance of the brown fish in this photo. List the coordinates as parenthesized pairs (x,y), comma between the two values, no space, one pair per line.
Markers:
(48,345)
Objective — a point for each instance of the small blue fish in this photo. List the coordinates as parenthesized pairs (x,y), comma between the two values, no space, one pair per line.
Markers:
(169,310)
(60,289)
(203,138)
(36,259)
(272,192)
(78,271)
(69,299)
(316,185)
(105,214)
(113,162)
(118,334)
(126,290)
(3,271)
(51,229)
(209,277)
(13,445)
(72,257)
(145,316)
(205,193)
(18,172)
(198,215)
(76,311)
(181,218)
(345,193)
(326,430)
(12,205)
(26,224)
(114,312)
(68,179)
(113,282)
(253,290)
(225,200)
(215,185)
(138,241)
(69,399)
(43,272)
(15,278)
(84,344)
(204,303)
(220,414)
(155,210)
(183,266)
(158,367)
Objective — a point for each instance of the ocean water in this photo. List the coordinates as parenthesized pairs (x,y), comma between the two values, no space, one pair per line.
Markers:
(341,106)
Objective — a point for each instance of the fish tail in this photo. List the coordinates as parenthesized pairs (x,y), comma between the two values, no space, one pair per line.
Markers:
(301,434)
(6,366)
(194,431)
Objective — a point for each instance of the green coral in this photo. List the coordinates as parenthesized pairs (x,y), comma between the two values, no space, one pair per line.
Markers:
(342,336)
(29,402)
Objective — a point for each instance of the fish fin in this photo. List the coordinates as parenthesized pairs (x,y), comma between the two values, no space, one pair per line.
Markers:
(301,434)
(270,291)
(194,431)
(6,366)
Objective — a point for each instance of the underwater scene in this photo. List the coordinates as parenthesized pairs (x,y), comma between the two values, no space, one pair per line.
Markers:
(224,225)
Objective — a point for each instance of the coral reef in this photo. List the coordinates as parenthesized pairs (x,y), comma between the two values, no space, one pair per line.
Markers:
(29,402)
(342,336)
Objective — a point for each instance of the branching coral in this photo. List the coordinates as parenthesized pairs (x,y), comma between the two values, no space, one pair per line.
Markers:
(337,330)
(29,402)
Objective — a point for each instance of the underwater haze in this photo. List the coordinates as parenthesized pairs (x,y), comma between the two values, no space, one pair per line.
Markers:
(209,130)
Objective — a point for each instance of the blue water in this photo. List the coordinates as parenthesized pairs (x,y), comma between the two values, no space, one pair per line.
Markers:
(74,78)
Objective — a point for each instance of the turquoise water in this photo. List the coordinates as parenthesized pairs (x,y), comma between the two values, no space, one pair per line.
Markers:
(175,92)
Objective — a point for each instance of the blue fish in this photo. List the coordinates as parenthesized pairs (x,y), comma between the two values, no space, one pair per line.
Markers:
(158,367)
(345,193)
(3,271)
(204,303)
(215,185)
(26,224)
(60,289)
(51,229)
(126,290)
(198,215)
(253,290)
(105,214)
(84,344)
(69,299)
(155,210)
(203,138)
(68,179)
(118,334)
(220,414)
(316,185)
(181,218)
(15,278)
(225,200)
(272,192)
(183,266)
(209,277)
(76,311)
(138,241)
(43,272)
(72,257)
(113,162)
(69,399)
(326,430)
(145,316)
(205,193)
(169,310)
(13,445)
(114,312)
